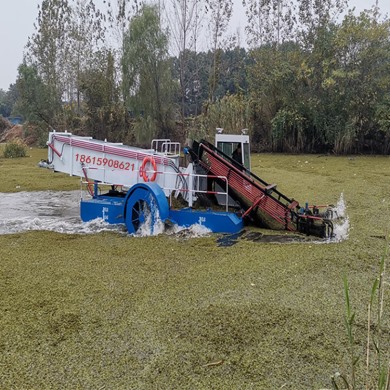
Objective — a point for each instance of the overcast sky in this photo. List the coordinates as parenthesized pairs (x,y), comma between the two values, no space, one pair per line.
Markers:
(17,18)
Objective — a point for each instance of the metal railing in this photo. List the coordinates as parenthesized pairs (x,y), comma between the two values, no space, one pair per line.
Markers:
(166,147)
(193,185)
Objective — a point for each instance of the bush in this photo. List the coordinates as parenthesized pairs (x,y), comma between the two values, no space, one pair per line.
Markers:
(15,149)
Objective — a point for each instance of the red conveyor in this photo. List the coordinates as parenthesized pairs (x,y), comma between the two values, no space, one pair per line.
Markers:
(261,201)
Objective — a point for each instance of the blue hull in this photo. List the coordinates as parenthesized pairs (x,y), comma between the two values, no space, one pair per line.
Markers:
(216,221)
(112,210)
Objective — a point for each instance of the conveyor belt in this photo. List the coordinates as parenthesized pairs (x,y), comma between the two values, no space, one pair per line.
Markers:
(261,201)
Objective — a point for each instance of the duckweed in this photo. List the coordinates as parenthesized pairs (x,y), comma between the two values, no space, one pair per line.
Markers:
(115,312)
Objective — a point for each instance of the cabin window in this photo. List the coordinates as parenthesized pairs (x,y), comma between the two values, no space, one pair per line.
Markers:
(226,147)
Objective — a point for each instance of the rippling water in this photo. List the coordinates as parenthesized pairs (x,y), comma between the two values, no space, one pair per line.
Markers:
(46,210)
(59,211)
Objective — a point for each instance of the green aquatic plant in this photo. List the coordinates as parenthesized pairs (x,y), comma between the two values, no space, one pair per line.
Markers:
(377,377)
(106,310)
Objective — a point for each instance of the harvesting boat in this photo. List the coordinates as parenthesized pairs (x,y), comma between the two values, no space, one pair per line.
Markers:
(205,186)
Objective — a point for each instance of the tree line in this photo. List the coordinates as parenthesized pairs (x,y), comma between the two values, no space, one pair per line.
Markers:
(313,76)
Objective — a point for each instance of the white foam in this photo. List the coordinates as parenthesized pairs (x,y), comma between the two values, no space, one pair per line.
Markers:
(341,224)
(151,226)
(340,206)
(341,230)
(56,211)
(159,227)
(193,231)
(68,226)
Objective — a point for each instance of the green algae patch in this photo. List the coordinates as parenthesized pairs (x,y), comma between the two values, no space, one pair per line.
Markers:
(111,311)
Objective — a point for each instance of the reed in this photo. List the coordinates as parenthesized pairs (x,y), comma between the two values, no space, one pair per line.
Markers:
(377,369)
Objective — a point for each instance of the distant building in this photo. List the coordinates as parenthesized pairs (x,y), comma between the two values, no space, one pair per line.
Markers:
(15,120)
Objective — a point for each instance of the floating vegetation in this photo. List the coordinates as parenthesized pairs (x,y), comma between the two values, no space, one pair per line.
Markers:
(173,311)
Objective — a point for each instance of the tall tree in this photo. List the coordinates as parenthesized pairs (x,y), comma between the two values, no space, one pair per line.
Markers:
(269,21)
(34,96)
(48,48)
(185,25)
(361,77)
(5,110)
(104,113)
(148,85)
(314,15)
(196,79)
(274,84)
(86,35)
(119,13)
(117,16)
(220,13)
(8,100)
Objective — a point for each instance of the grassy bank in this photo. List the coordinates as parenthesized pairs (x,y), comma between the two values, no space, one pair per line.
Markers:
(114,312)
(22,174)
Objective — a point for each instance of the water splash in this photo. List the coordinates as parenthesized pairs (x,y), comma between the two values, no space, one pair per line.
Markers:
(68,226)
(58,211)
(181,232)
(341,225)
(340,206)
(341,231)
(153,225)
(193,231)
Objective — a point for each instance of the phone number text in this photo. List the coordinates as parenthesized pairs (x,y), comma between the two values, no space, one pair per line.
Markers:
(105,162)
